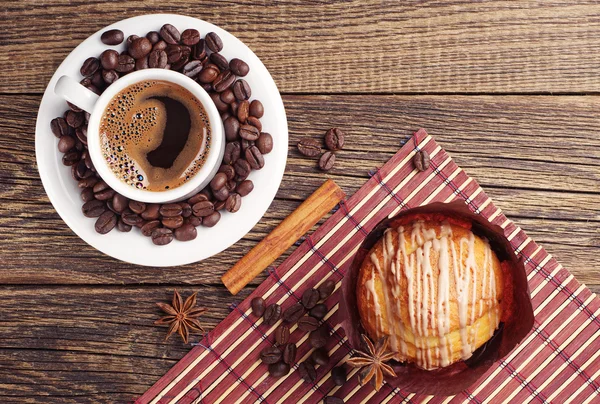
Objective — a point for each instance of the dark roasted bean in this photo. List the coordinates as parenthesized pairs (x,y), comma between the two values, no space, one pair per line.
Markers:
(186,209)
(193,220)
(151,212)
(219,60)
(228,170)
(93,208)
(257,109)
(130,40)
(172,222)
(242,168)
(282,334)
(421,160)
(208,74)
(87,182)
(89,67)
(112,37)
(326,289)
(258,306)
(199,51)
(233,203)
(122,227)
(65,144)
(218,181)
(174,53)
(142,63)
(120,203)
(71,158)
(197,198)
(334,139)
(190,37)
(59,127)
(221,106)
(307,372)
(131,219)
(308,323)
(333,400)
(310,298)
(289,353)
(233,151)
(185,56)
(211,220)
(153,37)
(170,34)
(242,90)
(242,111)
(137,207)
(191,69)
(213,41)
(74,119)
(279,369)
(320,356)
(309,147)
(231,126)
(223,81)
(160,45)
(272,314)
(254,121)
(239,67)
(245,187)
(149,227)
(162,236)
(109,76)
(227,96)
(125,64)
(270,355)
(157,59)
(293,313)
(318,338)
(170,210)
(265,143)
(249,132)
(319,311)
(186,232)
(106,222)
(255,158)
(203,208)
(326,161)
(338,375)
(87,194)
(139,48)
(221,194)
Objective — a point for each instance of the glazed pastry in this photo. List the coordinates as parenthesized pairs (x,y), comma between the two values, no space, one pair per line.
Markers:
(435,288)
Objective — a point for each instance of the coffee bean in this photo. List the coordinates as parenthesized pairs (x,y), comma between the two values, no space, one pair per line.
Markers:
(228,170)
(89,67)
(272,314)
(242,111)
(73,107)
(245,187)
(106,222)
(112,37)
(242,168)
(170,210)
(309,147)
(254,121)
(219,60)
(153,37)
(233,203)
(170,34)
(310,298)
(211,220)
(160,45)
(338,375)
(149,227)
(157,59)
(213,41)
(318,338)
(199,197)
(122,227)
(320,356)
(256,109)
(333,400)
(246,144)
(190,37)
(74,119)
(119,203)
(186,209)
(242,90)
(289,353)
(258,306)
(249,132)
(125,64)
(307,323)
(131,218)
(79,170)
(129,41)
(326,289)
(307,372)
(100,186)
(264,143)
(151,212)
(326,161)
(185,56)
(193,220)
(59,127)
(319,311)
(137,207)
(93,208)
(139,48)
(334,139)
(231,126)
(239,67)
(87,194)
(225,115)
(421,160)
(172,222)
(293,313)
(208,74)
(71,158)
(203,208)
(270,355)
(221,106)
(218,181)
(234,108)
(255,158)
(142,63)
(282,334)
(221,194)
(109,76)
(279,369)
(199,51)
(193,68)
(87,182)
(97,79)
(162,236)
(233,151)
(65,144)
(227,96)
(223,81)
(174,53)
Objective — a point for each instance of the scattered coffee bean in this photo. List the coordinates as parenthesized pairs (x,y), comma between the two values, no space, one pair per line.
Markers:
(172,222)
(249,132)
(174,53)
(151,212)
(282,334)
(242,90)
(310,298)
(319,311)
(87,182)
(218,181)
(170,210)
(193,68)
(334,139)
(125,64)
(293,313)
(208,74)
(256,109)
(71,158)
(186,232)
(137,207)
(149,227)
(272,314)
(213,41)
(221,194)
(65,144)
(258,306)
(112,37)
(255,158)
(242,169)
(318,338)
(219,60)
(221,106)
(129,41)
(228,170)
(421,160)
(289,353)
(233,203)
(139,48)
(326,289)
(231,126)
(338,375)
(170,34)
(279,369)
(122,227)
(223,81)
(109,76)
(327,161)
(89,67)
(106,222)
(131,219)
(193,220)
(120,203)
(93,208)
(212,219)
(307,372)
(227,96)
(87,194)
(190,37)
(158,59)
(270,355)
(309,147)
(308,323)
(162,236)
(333,400)
(242,111)
(203,208)
(320,356)
(74,119)
(59,127)
(251,120)
(199,51)
(153,37)
(245,187)
(239,67)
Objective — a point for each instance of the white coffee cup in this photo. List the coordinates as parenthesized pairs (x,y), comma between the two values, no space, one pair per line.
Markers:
(72,91)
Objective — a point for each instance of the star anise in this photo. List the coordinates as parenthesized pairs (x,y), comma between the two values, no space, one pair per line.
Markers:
(372,362)
(181,317)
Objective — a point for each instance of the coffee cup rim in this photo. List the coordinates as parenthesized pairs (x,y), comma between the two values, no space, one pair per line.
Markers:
(194,184)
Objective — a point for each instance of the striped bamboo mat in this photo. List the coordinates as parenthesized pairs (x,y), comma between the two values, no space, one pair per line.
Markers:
(557,361)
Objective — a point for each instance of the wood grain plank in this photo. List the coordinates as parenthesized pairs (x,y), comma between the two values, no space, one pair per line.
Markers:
(372,46)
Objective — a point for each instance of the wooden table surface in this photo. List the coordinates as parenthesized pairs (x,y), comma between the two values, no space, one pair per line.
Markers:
(510,89)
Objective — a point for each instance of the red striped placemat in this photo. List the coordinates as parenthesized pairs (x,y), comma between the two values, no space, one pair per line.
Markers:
(557,361)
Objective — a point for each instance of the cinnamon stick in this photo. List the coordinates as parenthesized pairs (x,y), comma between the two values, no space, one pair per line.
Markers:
(283,236)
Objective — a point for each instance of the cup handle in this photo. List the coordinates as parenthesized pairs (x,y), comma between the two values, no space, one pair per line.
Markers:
(70,89)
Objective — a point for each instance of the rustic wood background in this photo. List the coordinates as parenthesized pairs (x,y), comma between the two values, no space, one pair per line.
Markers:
(510,89)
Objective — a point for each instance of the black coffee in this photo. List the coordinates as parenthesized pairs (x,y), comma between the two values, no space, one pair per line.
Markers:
(155,135)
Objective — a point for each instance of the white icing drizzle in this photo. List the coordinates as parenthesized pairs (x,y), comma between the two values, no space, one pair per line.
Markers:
(428,308)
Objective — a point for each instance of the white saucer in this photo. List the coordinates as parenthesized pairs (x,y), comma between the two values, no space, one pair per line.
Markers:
(133,246)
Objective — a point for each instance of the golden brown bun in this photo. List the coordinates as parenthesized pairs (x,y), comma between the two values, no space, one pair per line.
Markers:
(435,259)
